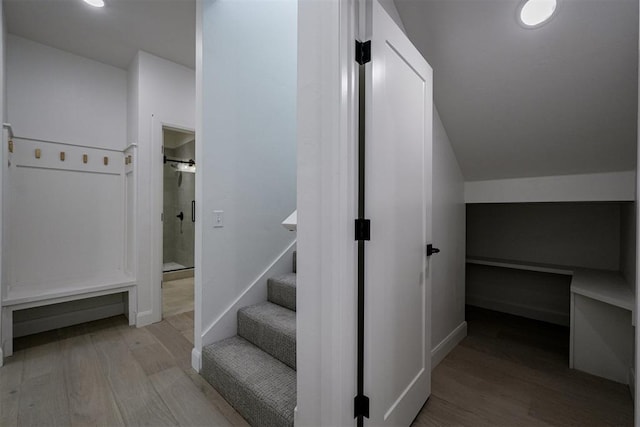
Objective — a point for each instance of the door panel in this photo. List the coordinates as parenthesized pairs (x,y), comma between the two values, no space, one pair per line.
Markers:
(398,202)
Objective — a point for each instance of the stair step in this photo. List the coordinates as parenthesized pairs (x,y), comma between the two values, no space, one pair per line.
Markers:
(272,328)
(282,290)
(261,388)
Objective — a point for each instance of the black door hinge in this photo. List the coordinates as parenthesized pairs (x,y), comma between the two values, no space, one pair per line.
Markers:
(363,52)
(361,406)
(363,229)
(431,250)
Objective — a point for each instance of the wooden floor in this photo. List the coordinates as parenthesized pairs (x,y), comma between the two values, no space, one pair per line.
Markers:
(511,371)
(107,373)
(177,296)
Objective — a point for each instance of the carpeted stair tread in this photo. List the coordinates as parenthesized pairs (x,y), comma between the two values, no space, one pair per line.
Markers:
(282,290)
(272,328)
(261,388)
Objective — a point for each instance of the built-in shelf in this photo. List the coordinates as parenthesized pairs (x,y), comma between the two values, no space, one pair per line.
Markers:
(601,285)
(521,265)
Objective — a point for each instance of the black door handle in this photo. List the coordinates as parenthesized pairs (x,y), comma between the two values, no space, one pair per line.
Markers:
(180,215)
(431,250)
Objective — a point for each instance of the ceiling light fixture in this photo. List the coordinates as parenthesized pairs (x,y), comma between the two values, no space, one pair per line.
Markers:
(534,13)
(95,3)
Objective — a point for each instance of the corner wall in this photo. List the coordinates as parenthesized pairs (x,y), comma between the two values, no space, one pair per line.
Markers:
(165,96)
(248,161)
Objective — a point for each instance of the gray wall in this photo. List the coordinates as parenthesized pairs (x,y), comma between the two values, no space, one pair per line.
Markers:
(448,277)
(179,191)
(591,235)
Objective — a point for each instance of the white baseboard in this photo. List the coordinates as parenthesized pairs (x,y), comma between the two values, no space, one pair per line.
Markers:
(226,324)
(449,343)
(34,326)
(144,318)
(196,359)
(632,382)
(519,310)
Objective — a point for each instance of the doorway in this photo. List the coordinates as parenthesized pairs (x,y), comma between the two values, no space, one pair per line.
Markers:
(178,225)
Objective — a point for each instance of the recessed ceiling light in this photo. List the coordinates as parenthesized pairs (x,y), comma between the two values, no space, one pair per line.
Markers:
(95,3)
(534,13)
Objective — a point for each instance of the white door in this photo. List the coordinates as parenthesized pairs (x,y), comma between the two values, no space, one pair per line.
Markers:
(398,203)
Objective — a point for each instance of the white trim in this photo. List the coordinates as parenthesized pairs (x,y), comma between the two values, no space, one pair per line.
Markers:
(449,343)
(157,198)
(196,360)
(326,196)
(226,325)
(144,318)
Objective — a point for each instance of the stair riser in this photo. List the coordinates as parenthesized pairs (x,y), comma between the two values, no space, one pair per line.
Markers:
(246,403)
(281,294)
(277,344)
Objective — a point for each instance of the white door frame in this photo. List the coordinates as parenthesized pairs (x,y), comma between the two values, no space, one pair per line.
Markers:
(157,197)
(326,199)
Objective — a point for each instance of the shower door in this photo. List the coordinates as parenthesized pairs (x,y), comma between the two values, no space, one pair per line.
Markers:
(179,204)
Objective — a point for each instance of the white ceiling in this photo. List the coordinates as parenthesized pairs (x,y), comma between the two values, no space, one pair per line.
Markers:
(112,34)
(558,100)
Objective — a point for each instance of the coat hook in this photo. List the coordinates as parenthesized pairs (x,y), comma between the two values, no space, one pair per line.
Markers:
(85,158)
(11,146)
(106,160)
(38,153)
(62,156)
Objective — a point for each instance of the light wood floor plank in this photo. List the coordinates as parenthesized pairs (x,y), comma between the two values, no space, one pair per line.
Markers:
(10,384)
(187,404)
(90,399)
(234,418)
(43,401)
(137,400)
(179,347)
(153,358)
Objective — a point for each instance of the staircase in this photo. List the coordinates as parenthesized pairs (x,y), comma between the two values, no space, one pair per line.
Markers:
(255,371)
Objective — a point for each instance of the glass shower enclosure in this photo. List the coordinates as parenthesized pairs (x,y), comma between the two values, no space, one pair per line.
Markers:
(179,200)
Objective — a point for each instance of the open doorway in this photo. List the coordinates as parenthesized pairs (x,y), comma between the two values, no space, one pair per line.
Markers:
(178,226)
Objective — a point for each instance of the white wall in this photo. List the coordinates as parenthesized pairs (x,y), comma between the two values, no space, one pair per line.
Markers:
(248,160)
(165,96)
(614,186)
(448,279)
(57,236)
(57,96)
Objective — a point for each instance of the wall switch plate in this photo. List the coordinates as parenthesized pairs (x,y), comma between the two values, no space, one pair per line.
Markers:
(218,219)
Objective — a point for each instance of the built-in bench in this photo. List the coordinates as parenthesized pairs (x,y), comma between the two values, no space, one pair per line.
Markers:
(25,299)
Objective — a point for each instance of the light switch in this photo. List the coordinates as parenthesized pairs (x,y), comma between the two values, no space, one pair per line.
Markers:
(218,219)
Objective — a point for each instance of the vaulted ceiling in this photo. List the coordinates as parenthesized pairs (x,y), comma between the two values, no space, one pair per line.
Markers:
(557,100)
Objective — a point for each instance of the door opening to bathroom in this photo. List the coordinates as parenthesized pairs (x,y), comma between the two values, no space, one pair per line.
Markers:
(178,225)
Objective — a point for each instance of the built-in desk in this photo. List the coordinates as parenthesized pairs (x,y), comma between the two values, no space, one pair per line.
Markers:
(601,325)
